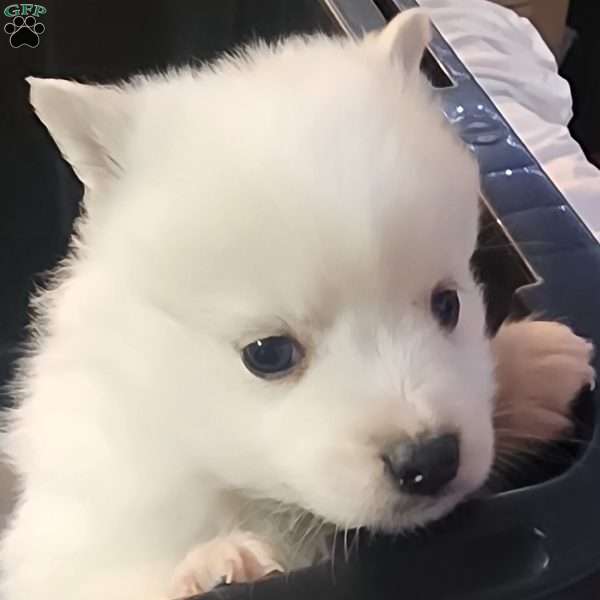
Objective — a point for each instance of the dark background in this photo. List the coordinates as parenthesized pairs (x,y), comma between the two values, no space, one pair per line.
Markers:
(100,41)
(581,68)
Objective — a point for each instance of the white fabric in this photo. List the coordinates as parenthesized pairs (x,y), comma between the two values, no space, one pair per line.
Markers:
(513,65)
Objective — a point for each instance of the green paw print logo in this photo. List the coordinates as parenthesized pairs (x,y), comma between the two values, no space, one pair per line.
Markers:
(24,28)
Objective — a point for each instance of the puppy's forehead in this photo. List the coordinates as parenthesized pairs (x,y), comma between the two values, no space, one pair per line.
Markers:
(303,250)
(315,170)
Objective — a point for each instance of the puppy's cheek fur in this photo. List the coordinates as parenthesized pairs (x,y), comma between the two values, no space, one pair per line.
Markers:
(474,373)
(344,485)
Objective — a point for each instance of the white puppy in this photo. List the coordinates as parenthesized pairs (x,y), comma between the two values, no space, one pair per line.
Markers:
(268,325)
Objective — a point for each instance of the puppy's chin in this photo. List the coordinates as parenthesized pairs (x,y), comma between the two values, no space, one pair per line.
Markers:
(406,514)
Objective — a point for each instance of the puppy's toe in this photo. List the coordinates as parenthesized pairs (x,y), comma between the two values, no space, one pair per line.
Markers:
(239,557)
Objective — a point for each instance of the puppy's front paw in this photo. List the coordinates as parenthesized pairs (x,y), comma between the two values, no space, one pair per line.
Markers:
(541,367)
(238,557)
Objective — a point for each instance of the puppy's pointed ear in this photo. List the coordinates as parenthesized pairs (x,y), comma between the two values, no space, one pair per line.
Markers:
(88,123)
(405,38)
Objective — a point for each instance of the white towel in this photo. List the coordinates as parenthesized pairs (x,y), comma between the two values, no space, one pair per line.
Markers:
(514,66)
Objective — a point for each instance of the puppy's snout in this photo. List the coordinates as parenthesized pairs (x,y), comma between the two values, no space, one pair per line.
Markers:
(425,466)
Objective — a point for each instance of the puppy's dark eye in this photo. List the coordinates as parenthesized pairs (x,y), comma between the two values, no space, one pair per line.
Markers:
(445,307)
(271,357)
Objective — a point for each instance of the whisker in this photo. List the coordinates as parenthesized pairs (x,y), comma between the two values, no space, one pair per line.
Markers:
(335,534)
(345,543)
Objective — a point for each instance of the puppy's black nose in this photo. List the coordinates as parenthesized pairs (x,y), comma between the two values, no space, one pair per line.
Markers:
(425,466)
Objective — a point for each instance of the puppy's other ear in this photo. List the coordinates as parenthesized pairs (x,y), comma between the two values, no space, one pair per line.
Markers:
(405,38)
(88,123)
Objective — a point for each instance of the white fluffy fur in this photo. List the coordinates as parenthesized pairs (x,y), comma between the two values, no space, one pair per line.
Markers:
(311,187)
